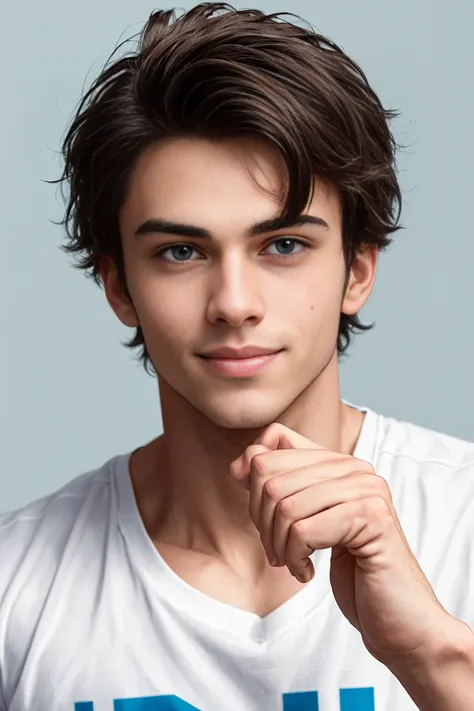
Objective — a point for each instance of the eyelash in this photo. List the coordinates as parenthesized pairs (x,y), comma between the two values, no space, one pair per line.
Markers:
(160,253)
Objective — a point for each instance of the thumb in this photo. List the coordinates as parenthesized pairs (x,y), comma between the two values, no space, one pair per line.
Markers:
(278,436)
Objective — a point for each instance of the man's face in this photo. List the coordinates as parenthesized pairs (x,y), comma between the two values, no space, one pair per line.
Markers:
(277,290)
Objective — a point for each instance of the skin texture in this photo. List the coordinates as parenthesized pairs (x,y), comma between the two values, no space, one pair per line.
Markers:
(304,497)
(234,290)
(256,468)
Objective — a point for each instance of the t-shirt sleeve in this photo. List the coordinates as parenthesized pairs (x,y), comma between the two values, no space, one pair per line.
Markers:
(27,560)
(16,535)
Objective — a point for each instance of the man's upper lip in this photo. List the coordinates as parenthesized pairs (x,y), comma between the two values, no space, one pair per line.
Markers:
(246,352)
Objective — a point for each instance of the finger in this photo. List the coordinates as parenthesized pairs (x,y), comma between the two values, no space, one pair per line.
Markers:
(266,466)
(306,571)
(277,461)
(274,437)
(278,436)
(279,489)
(319,497)
(240,467)
(362,526)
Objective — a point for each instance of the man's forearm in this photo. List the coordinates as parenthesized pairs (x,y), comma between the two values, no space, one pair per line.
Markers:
(443,680)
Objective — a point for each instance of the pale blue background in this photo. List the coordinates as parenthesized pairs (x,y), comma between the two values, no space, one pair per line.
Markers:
(70,395)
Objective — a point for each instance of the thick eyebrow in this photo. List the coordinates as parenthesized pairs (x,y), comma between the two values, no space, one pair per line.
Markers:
(160,226)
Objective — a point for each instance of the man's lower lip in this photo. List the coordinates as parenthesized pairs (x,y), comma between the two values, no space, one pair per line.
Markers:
(240,367)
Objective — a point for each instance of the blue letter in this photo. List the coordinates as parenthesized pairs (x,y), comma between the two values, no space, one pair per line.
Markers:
(357,699)
(301,701)
(143,703)
(153,703)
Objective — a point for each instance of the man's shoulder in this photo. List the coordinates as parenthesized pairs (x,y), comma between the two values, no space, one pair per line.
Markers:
(46,523)
(45,546)
(424,446)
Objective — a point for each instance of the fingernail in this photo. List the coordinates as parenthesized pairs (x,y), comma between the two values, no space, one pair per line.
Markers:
(274,561)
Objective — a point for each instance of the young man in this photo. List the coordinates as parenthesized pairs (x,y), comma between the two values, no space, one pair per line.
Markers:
(276,549)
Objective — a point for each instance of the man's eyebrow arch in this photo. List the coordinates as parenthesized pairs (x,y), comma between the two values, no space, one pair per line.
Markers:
(158,225)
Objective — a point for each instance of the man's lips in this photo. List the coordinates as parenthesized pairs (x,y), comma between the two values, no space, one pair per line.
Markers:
(240,353)
(241,362)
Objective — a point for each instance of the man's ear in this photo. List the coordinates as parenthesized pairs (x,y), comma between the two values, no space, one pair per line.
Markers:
(119,301)
(361,280)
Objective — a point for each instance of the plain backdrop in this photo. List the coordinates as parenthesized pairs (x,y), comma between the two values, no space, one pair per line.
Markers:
(71,395)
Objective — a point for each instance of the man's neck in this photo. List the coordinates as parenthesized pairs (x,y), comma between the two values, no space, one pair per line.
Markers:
(184,490)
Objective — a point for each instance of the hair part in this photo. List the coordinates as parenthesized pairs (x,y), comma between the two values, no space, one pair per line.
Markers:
(218,73)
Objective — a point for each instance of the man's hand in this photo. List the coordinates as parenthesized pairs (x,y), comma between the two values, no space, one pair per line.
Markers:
(303,498)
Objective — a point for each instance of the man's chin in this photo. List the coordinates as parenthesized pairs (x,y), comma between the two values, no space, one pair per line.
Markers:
(248,418)
(236,411)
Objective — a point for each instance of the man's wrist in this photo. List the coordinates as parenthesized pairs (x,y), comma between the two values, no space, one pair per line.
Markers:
(440,677)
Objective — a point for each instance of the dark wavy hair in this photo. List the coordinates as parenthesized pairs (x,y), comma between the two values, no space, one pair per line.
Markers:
(217,72)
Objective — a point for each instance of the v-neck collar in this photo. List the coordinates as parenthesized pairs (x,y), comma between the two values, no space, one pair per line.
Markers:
(173,591)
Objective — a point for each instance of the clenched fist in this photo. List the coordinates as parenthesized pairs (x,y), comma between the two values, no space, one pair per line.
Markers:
(303,498)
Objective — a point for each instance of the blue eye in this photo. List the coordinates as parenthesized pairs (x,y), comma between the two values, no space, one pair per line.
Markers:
(180,253)
(287,244)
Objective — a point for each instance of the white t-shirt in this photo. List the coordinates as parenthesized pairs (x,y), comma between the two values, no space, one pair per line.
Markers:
(93,619)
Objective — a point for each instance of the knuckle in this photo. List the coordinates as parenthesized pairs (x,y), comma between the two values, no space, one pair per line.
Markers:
(271,490)
(378,486)
(286,507)
(298,529)
(258,464)
(373,482)
(381,487)
(364,466)
(376,508)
